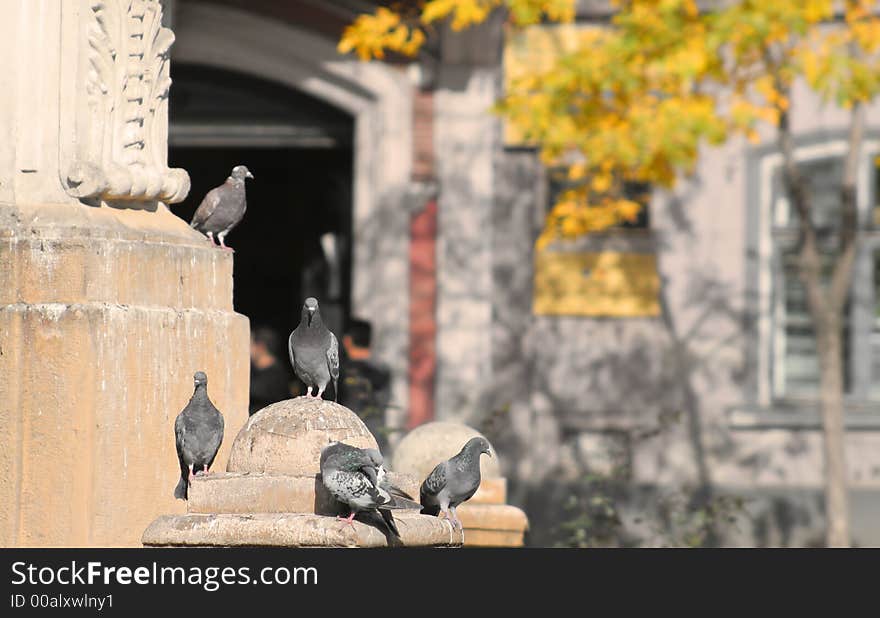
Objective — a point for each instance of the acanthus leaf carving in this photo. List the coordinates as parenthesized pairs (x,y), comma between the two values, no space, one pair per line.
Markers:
(119,130)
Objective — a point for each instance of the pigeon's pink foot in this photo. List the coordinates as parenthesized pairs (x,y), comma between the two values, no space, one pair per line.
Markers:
(348,520)
(225,248)
(191,475)
(456,522)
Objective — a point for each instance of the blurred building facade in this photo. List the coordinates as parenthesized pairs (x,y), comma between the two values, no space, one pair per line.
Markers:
(688,368)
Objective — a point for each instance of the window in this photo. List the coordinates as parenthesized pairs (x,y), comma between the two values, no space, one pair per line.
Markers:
(793,361)
(639,192)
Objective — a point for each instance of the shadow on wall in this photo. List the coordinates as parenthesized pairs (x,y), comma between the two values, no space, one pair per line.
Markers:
(606,425)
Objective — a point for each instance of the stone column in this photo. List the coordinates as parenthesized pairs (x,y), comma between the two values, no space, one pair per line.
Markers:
(466,136)
(108,302)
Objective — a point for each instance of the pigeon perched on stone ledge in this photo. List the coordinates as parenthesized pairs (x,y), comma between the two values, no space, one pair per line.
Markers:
(356,478)
(314,351)
(223,207)
(454,481)
(198,433)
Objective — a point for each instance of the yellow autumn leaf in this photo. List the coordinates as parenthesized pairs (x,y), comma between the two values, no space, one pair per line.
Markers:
(600,183)
(628,210)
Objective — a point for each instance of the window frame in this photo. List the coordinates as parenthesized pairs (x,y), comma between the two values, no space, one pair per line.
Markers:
(770,294)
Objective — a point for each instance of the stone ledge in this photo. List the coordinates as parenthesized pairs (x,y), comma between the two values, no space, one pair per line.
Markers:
(292,530)
(494,538)
(123,272)
(237,492)
(492,517)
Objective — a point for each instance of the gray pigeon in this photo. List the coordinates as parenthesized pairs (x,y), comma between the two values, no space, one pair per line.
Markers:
(222,207)
(198,432)
(356,478)
(454,481)
(314,351)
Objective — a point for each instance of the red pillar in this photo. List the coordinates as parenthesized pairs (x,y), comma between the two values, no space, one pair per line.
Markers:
(422,270)
(422,321)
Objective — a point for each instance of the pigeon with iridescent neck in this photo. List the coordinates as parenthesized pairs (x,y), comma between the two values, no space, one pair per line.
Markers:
(357,479)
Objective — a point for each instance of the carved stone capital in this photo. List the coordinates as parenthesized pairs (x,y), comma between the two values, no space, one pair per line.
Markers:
(115,122)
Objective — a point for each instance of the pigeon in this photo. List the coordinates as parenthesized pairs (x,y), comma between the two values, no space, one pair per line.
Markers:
(357,478)
(222,207)
(314,351)
(454,481)
(198,432)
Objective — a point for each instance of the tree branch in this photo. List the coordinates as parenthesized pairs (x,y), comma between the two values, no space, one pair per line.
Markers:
(841,278)
(795,184)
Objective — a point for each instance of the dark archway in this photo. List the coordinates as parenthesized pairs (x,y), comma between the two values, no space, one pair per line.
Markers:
(300,152)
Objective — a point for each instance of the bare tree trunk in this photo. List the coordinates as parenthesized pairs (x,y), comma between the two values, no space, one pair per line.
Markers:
(826,307)
(830,349)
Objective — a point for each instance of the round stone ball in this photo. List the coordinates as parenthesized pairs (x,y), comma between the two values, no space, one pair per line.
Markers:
(287,437)
(429,444)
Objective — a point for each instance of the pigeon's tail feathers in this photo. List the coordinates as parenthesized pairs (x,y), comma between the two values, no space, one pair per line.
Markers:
(397,492)
(335,390)
(399,499)
(181,491)
(400,503)
(389,521)
(431,509)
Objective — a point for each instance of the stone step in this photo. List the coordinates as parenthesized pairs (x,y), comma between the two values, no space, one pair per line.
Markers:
(244,492)
(492,525)
(292,530)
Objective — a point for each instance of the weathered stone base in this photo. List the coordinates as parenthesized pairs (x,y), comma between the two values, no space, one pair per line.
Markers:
(273,496)
(102,325)
(293,530)
(492,525)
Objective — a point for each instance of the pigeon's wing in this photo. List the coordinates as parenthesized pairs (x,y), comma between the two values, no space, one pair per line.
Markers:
(290,350)
(333,357)
(207,207)
(395,494)
(216,438)
(179,433)
(370,472)
(436,481)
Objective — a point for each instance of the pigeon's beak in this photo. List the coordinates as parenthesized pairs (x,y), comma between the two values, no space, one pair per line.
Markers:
(249,175)
(311,313)
(488,452)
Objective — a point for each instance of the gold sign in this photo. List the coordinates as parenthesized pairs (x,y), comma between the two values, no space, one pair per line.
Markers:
(604,284)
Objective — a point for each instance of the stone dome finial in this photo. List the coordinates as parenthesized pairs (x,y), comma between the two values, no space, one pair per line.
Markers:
(429,444)
(287,437)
